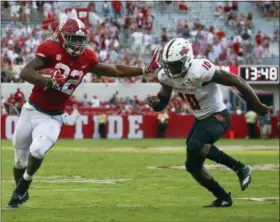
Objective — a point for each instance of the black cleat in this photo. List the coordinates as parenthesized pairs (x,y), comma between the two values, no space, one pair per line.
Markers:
(245,177)
(227,202)
(17,200)
(20,194)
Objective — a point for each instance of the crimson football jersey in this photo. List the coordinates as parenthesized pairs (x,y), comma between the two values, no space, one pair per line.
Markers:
(73,68)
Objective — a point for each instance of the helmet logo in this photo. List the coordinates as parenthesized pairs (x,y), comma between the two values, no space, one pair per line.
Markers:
(184,51)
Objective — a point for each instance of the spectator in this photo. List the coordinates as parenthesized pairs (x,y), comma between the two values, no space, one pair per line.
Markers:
(266,42)
(19,97)
(85,100)
(114,98)
(102,120)
(105,9)
(234,6)
(251,118)
(130,6)
(163,118)
(264,123)
(228,105)
(95,102)
(238,111)
(183,6)
(15,11)
(117,5)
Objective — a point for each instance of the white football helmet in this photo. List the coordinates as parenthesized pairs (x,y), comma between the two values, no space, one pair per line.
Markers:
(177,57)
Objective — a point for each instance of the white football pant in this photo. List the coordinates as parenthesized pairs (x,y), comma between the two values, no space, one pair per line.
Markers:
(35,132)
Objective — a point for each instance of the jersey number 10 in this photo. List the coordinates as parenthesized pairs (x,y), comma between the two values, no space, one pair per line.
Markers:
(191,99)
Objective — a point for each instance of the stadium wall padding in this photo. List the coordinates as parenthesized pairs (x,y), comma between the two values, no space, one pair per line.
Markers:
(132,127)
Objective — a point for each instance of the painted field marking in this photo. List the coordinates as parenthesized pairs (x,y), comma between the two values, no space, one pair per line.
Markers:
(259,199)
(73,179)
(263,167)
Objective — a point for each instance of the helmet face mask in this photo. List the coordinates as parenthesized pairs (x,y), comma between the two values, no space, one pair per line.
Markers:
(74,44)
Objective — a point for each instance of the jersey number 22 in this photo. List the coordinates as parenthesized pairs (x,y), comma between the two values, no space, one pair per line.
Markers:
(70,85)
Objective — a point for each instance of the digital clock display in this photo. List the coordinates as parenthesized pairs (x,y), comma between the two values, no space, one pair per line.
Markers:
(260,74)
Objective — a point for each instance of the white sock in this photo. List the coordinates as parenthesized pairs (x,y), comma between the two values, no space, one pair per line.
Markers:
(26,176)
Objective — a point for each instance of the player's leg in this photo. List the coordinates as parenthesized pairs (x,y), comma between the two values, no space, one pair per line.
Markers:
(22,139)
(44,136)
(194,164)
(217,125)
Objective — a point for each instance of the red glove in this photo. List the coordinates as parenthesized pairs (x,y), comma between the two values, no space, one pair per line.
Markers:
(154,64)
(56,80)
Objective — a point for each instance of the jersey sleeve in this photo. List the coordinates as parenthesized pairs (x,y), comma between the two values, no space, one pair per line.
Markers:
(91,57)
(45,49)
(202,71)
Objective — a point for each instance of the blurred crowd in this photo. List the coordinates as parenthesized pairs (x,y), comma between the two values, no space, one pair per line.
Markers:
(122,32)
(213,43)
(116,104)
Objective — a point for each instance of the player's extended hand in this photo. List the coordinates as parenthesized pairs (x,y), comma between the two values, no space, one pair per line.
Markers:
(154,64)
(153,101)
(263,109)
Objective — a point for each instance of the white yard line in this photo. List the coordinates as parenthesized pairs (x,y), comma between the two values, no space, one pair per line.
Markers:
(264,167)
(74,179)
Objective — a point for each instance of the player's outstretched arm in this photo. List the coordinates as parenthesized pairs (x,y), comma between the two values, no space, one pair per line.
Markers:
(160,101)
(225,78)
(126,71)
(29,72)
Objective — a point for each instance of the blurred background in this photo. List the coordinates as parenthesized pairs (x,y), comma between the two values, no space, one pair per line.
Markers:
(230,34)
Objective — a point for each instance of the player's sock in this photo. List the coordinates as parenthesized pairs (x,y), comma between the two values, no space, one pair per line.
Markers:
(214,187)
(26,176)
(220,157)
(33,165)
(18,173)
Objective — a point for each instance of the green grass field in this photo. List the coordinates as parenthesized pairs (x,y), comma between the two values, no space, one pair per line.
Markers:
(110,181)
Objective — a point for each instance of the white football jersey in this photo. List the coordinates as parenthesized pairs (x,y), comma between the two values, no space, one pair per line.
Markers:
(203,99)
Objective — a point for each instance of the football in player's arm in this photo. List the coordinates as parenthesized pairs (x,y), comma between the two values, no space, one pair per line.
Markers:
(222,77)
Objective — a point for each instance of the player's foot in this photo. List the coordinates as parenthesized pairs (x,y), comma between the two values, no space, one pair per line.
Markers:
(245,177)
(20,194)
(17,200)
(226,202)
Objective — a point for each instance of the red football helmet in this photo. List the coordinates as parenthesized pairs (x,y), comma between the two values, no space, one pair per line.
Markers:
(72,35)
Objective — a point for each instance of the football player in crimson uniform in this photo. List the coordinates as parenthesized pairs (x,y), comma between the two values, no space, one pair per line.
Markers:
(42,116)
(196,81)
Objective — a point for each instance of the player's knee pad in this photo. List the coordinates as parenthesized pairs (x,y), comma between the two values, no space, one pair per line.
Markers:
(40,146)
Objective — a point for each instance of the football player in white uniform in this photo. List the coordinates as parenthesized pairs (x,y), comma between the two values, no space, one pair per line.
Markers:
(197,81)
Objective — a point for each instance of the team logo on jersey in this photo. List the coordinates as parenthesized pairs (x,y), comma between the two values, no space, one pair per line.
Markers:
(184,51)
(58,57)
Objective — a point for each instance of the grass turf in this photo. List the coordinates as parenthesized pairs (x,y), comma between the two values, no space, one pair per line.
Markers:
(76,183)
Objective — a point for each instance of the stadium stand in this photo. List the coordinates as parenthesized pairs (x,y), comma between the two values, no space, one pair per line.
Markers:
(128,32)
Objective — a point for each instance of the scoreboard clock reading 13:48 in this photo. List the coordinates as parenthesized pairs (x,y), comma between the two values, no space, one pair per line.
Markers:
(258,74)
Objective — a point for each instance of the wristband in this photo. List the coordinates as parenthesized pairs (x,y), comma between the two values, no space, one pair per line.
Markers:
(163,103)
